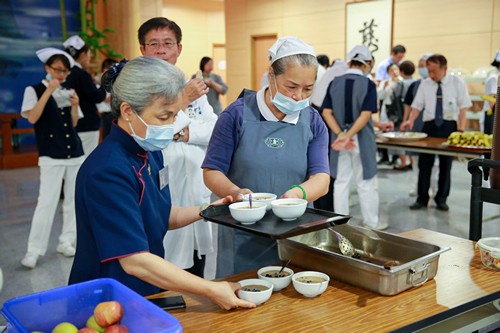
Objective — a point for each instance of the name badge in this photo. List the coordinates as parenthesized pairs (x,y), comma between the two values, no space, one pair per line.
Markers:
(163,175)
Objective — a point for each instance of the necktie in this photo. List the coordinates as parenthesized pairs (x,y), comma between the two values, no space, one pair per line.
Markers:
(438,118)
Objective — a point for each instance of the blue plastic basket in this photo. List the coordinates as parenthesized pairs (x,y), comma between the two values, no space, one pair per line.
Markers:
(75,304)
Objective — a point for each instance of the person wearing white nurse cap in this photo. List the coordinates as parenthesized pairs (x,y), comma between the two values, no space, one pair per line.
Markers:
(74,44)
(46,53)
(360,53)
(287,46)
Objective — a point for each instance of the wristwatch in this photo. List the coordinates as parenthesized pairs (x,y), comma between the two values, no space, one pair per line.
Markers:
(181,135)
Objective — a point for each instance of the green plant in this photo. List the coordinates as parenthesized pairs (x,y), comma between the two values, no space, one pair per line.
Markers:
(91,34)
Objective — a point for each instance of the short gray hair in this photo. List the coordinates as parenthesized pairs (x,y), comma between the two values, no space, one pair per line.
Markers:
(304,60)
(142,81)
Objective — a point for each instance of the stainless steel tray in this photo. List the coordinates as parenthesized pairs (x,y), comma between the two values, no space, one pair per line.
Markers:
(319,251)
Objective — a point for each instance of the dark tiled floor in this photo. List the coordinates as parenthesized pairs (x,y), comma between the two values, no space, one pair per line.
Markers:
(19,191)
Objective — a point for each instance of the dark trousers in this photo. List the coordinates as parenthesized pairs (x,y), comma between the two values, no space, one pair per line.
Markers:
(426,161)
(326,202)
(107,119)
(198,268)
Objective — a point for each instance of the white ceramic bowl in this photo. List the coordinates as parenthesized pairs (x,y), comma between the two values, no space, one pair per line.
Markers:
(310,289)
(489,249)
(278,282)
(256,297)
(267,198)
(241,212)
(288,209)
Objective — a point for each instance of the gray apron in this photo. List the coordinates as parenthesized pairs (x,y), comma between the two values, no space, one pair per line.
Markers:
(270,157)
(366,136)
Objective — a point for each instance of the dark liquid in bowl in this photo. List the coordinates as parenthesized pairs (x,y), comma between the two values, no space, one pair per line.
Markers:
(274,274)
(310,279)
(254,288)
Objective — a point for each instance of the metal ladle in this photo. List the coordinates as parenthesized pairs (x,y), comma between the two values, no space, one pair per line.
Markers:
(345,245)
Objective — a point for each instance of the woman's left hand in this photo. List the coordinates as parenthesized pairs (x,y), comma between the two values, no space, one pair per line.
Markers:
(343,143)
(74,100)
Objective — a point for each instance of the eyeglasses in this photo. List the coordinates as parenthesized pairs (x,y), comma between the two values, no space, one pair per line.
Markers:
(60,71)
(156,45)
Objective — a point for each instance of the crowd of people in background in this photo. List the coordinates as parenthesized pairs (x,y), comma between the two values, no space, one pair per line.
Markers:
(331,112)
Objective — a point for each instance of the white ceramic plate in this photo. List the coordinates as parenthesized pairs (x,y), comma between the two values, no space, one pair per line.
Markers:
(404,136)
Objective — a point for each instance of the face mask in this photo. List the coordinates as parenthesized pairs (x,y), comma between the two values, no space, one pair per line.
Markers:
(423,72)
(157,137)
(48,77)
(286,104)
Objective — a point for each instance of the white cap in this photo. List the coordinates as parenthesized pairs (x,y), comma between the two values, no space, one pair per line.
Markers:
(74,41)
(359,53)
(426,56)
(287,46)
(497,56)
(46,53)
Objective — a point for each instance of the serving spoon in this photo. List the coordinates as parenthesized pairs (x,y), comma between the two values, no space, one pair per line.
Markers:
(345,245)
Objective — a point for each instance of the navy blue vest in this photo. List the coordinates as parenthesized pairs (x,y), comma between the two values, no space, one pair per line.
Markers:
(55,135)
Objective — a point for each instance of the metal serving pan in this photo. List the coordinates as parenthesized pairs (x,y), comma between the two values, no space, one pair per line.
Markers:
(389,264)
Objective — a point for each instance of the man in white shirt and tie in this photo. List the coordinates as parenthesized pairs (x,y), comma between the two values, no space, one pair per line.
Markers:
(444,99)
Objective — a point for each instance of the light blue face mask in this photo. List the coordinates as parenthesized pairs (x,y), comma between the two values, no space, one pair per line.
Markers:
(423,72)
(48,77)
(286,104)
(157,137)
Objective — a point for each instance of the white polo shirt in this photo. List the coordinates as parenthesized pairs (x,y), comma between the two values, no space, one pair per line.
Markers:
(455,97)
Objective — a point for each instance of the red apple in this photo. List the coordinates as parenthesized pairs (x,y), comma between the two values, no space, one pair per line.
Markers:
(108,313)
(116,329)
(87,330)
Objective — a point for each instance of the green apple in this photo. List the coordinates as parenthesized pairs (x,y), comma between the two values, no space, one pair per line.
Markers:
(91,323)
(65,327)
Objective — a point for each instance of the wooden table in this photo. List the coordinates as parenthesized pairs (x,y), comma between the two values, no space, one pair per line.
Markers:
(431,145)
(461,278)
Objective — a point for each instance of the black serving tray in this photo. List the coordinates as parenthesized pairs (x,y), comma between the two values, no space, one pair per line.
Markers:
(272,226)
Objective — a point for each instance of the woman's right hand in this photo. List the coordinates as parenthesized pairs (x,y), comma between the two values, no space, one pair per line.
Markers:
(53,85)
(224,295)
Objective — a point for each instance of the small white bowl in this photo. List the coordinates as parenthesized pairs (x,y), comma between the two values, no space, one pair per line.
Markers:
(489,249)
(278,282)
(310,289)
(256,297)
(267,198)
(241,212)
(288,209)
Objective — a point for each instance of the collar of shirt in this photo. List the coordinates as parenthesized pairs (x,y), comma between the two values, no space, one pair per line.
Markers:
(45,83)
(267,113)
(78,65)
(354,71)
(444,80)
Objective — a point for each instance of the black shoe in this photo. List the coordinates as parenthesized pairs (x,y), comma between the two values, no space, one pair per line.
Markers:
(383,161)
(442,206)
(416,205)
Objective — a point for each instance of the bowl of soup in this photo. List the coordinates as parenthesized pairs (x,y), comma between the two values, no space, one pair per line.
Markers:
(310,283)
(243,213)
(256,291)
(273,275)
(266,198)
(288,209)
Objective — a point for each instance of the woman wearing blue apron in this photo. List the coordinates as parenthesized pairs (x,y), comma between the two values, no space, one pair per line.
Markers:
(268,141)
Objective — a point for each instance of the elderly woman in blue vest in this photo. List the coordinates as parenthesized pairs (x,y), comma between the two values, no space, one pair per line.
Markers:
(90,95)
(123,202)
(54,112)
(350,102)
(269,141)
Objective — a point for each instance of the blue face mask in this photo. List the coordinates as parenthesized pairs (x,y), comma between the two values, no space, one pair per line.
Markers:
(48,77)
(157,137)
(423,72)
(286,104)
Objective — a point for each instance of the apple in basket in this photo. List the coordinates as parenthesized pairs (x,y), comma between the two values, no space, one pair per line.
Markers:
(108,313)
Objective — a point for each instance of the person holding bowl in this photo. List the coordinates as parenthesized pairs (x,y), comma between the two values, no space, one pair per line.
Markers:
(122,198)
(269,141)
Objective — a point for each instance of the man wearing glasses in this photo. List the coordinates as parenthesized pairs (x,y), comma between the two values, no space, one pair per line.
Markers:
(161,38)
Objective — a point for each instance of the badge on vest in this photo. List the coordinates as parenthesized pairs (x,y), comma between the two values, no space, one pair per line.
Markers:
(274,142)
(163,175)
